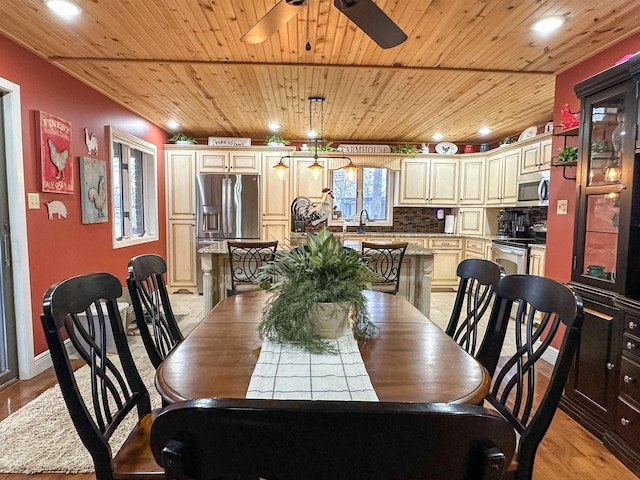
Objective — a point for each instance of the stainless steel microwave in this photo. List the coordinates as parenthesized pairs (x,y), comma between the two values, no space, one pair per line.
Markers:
(533,189)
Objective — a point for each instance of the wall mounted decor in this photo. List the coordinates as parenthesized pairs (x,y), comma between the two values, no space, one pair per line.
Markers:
(93,190)
(56,208)
(56,167)
(91,141)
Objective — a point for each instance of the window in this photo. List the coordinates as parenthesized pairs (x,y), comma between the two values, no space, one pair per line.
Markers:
(370,191)
(135,193)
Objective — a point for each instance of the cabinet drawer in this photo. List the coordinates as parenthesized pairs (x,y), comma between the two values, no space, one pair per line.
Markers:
(452,243)
(630,379)
(628,423)
(632,325)
(475,246)
(631,344)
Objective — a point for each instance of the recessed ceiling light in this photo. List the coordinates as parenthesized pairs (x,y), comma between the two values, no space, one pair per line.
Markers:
(273,126)
(548,24)
(484,131)
(64,8)
(173,125)
(437,137)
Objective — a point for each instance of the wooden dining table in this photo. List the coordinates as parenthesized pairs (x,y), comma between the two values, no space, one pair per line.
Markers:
(409,359)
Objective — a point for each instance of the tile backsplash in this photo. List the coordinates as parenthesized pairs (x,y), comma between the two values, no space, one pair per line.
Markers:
(407,220)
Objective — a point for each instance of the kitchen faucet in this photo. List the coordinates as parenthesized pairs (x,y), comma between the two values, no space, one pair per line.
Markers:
(361,225)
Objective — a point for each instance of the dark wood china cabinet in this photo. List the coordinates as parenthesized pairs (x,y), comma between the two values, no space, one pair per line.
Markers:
(603,391)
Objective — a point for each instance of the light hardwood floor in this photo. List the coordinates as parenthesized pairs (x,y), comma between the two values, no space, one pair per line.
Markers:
(568,451)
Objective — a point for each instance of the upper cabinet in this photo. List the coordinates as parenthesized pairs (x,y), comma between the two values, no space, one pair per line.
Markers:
(428,182)
(303,184)
(472,180)
(502,176)
(536,156)
(181,175)
(220,161)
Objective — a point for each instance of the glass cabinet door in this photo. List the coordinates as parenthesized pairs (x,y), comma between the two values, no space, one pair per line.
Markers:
(606,158)
(606,149)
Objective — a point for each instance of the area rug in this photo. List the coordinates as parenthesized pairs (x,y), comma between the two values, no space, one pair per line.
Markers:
(40,437)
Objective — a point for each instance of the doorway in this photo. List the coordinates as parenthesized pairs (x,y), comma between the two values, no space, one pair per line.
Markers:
(8,343)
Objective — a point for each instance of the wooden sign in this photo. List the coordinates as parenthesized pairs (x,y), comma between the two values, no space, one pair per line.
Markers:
(56,165)
(229,142)
(364,148)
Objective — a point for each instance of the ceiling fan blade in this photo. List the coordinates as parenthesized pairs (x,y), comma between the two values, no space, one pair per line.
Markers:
(271,22)
(372,21)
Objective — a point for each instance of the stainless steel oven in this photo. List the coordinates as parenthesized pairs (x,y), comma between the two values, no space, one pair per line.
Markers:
(511,254)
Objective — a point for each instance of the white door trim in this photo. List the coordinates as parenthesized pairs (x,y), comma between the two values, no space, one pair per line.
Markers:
(17,218)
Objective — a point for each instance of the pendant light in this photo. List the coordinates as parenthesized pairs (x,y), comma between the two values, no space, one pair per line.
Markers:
(350,170)
(316,120)
(281,169)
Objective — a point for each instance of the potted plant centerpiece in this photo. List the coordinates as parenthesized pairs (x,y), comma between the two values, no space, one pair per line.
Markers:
(276,141)
(182,139)
(319,278)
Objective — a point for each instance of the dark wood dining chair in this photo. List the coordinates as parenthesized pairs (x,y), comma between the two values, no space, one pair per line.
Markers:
(245,260)
(154,316)
(386,260)
(476,294)
(84,310)
(515,388)
(322,440)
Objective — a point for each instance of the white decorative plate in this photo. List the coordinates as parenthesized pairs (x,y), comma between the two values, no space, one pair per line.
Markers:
(446,147)
(528,133)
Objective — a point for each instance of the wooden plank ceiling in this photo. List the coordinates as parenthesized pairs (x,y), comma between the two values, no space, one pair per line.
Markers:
(466,64)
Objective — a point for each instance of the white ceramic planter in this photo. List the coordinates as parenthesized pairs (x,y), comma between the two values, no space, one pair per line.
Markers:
(330,320)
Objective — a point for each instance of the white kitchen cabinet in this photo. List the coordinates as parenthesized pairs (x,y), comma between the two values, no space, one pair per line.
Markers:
(180,181)
(180,166)
(537,257)
(502,175)
(216,160)
(474,248)
(471,221)
(276,230)
(445,261)
(431,182)
(414,183)
(303,184)
(181,257)
(472,181)
(276,201)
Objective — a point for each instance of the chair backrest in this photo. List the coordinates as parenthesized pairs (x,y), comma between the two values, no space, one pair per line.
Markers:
(313,440)
(385,259)
(542,305)
(476,292)
(84,309)
(245,259)
(154,317)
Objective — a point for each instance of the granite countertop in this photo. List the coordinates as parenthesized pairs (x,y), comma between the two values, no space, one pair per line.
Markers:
(220,247)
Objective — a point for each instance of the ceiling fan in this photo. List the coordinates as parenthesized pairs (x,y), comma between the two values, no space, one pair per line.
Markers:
(364,13)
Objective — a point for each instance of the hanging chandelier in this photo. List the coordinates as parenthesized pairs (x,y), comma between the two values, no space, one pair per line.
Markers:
(316,121)
(281,169)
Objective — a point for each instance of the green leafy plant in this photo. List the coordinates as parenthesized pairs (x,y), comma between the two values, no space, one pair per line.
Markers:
(507,141)
(275,138)
(568,154)
(600,146)
(404,149)
(181,137)
(320,271)
(324,147)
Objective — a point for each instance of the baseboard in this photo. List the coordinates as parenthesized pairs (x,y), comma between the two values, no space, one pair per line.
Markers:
(43,361)
(550,355)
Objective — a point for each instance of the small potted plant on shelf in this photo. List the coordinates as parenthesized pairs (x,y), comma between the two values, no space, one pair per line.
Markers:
(182,139)
(568,154)
(276,140)
(404,149)
(317,292)
(506,141)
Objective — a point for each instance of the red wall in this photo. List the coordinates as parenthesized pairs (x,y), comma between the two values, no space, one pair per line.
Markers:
(62,248)
(560,227)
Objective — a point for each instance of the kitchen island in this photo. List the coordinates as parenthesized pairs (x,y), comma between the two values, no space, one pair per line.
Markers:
(415,277)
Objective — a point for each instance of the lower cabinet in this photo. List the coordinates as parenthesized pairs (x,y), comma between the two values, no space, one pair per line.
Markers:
(537,256)
(445,261)
(276,230)
(474,248)
(181,261)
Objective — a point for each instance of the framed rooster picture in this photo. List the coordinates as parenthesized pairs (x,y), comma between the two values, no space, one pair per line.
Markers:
(93,190)
(56,167)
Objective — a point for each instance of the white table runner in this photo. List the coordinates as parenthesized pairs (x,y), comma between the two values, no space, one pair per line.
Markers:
(287,372)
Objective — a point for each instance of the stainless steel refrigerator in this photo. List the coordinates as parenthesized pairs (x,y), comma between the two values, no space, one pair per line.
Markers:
(227,207)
